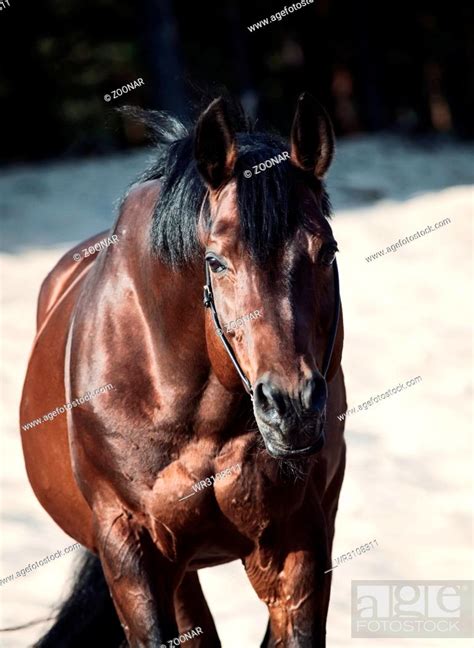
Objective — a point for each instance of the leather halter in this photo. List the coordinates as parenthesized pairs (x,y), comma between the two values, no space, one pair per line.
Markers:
(209,303)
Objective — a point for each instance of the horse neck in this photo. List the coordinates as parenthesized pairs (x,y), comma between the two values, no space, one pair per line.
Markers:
(170,299)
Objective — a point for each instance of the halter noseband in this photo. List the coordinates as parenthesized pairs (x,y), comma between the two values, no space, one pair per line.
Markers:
(209,303)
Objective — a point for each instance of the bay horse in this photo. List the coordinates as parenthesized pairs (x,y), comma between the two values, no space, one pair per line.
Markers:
(210,446)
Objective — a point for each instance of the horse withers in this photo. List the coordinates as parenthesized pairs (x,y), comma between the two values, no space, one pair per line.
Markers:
(210,445)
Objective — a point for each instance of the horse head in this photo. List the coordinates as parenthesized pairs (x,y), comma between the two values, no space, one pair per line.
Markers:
(269,249)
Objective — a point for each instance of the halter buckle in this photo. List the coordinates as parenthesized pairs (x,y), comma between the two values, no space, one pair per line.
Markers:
(207,298)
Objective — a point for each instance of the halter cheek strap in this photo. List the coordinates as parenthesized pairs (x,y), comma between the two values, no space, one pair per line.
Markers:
(209,303)
(335,321)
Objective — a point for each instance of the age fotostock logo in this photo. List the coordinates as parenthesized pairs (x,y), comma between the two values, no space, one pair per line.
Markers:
(412,609)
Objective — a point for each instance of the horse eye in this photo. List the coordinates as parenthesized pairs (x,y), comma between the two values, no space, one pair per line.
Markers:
(216,265)
(328,256)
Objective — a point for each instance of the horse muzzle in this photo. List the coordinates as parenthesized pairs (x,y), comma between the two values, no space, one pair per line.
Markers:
(291,426)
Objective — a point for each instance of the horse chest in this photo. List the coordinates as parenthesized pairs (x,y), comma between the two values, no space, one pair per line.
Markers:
(221,512)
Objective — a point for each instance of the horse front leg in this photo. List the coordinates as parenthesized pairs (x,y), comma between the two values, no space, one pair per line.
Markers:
(140,580)
(192,611)
(289,577)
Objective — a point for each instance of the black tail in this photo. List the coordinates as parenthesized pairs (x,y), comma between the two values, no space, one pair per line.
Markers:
(88,616)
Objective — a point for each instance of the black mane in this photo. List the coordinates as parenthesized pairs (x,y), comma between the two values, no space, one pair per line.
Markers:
(267,201)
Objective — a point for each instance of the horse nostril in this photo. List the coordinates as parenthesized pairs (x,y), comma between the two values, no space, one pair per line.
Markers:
(314,394)
(269,398)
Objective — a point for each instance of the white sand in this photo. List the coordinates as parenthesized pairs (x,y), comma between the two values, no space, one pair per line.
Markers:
(409,476)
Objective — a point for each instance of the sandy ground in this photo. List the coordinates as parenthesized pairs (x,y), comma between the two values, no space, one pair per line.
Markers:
(410,464)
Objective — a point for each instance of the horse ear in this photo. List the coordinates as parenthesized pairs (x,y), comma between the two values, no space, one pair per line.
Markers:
(215,148)
(312,137)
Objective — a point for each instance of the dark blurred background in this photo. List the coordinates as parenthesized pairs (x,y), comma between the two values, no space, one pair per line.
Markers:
(394,66)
